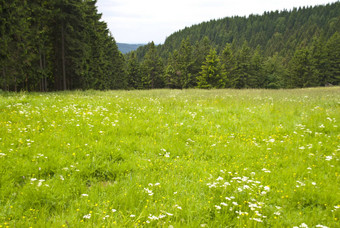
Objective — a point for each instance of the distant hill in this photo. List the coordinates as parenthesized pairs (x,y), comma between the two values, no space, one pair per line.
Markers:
(275,32)
(126,48)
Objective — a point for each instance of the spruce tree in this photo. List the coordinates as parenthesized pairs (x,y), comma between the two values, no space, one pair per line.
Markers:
(211,74)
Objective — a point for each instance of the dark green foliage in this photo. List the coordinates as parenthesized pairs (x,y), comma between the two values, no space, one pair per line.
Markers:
(57,45)
(64,45)
(152,69)
(287,49)
(211,74)
(134,79)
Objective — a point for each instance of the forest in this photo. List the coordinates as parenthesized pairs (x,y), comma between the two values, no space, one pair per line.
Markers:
(64,45)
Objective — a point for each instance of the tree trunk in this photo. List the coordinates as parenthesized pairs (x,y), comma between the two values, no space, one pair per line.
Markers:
(45,76)
(63,55)
(42,75)
(4,77)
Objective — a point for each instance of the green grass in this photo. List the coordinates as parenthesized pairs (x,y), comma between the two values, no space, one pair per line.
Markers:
(170,158)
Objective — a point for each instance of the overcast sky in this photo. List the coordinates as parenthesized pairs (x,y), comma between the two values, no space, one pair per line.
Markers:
(143,21)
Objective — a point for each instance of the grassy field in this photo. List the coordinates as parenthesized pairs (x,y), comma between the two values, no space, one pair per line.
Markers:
(170,158)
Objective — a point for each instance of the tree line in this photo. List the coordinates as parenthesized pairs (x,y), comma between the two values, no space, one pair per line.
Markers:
(64,45)
(200,66)
(56,45)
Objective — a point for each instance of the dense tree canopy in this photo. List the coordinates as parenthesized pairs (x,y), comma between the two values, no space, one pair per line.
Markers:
(64,45)
(57,45)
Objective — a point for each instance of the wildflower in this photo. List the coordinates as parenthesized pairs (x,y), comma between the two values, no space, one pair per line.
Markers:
(88,216)
(150,193)
(219,178)
(266,170)
(224,204)
(257,219)
(267,188)
(113,210)
(328,158)
(321,226)
(132,216)
(85,195)
(218,207)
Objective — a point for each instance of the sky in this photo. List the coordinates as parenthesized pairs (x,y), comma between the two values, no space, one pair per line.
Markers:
(143,21)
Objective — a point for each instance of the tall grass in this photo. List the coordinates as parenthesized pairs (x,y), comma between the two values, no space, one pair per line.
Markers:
(170,158)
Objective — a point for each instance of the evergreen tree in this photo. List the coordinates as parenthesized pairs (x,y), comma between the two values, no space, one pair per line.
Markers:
(211,74)
(274,73)
(152,69)
(333,59)
(242,67)
(256,69)
(301,71)
(133,72)
(228,65)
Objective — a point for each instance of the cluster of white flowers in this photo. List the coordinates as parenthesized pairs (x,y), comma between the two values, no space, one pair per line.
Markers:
(245,186)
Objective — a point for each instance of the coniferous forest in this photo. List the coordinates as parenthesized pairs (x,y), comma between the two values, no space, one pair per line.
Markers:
(64,45)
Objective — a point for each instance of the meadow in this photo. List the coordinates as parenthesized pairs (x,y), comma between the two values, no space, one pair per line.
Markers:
(170,158)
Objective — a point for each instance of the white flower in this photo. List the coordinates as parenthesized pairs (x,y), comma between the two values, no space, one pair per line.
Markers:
(328,158)
(322,226)
(224,204)
(265,170)
(178,207)
(235,203)
(113,210)
(257,219)
(218,207)
(271,140)
(84,195)
(132,216)
(313,183)
(219,178)
(87,216)
(304,225)
(34,179)
(267,188)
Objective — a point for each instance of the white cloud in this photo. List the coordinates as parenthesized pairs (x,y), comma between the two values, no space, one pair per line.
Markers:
(136,21)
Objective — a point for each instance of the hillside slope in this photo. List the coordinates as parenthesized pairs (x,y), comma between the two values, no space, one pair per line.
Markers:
(278,31)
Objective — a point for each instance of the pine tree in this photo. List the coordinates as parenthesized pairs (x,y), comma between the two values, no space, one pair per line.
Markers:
(133,72)
(211,74)
(333,59)
(228,65)
(242,67)
(152,68)
(301,71)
